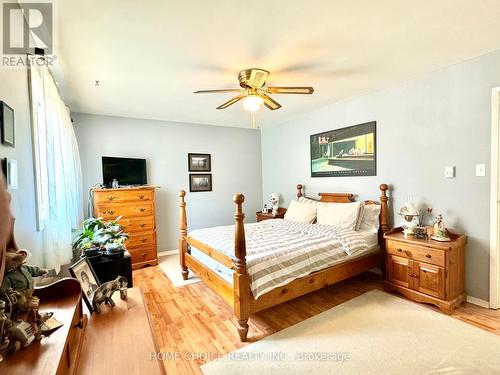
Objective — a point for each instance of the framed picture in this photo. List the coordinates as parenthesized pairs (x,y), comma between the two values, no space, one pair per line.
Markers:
(83,272)
(200,182)
(345,152)
(7,124)
(199,163)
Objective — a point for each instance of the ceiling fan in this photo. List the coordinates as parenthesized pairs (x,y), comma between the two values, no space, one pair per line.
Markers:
(254,93)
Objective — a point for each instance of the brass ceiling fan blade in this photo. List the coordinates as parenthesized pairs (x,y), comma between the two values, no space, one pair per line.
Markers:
(270,102)
(217,91)
(290,90)
(230,102)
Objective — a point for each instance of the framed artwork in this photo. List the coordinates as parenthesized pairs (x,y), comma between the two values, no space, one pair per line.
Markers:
(200,182)
(7,124)
(345,152)
(84,273)
(199,162)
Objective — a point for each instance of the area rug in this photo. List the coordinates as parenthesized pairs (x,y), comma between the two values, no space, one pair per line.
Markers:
(375,333)
(169,264)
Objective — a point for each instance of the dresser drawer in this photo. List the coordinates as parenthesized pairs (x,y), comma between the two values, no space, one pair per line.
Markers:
(114,196)
(427,255)
(138,224)
(141,239)
(127,210)
(143,254)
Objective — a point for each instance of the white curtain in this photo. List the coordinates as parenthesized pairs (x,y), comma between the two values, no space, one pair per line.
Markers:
(63,180)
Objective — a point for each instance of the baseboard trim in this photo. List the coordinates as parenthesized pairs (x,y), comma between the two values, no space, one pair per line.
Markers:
(168,252)
(478,301)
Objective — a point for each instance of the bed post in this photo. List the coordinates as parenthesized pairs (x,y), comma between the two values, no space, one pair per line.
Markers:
(384,216)
(241,281)
(299,191)
(183,233)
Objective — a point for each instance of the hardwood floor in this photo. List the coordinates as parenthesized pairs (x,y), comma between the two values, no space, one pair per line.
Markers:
(192,325)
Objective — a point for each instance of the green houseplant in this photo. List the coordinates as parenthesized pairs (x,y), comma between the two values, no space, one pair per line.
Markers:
(98,235)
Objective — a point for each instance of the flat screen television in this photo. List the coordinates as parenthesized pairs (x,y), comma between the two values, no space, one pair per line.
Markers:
(127,171)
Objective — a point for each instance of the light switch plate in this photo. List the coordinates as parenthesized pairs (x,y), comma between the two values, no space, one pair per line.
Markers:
(449,172)
(480,170)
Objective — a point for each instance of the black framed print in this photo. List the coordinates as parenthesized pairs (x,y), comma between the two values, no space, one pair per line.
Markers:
(7,124)
(84,273)
(199,162)
(345,152)
(200,182)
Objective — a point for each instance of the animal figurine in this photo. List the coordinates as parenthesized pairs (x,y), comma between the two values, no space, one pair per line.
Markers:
(19,277)
(275,203)
(106,291)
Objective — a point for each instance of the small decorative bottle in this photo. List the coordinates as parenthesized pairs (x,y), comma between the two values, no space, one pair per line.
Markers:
(115,184)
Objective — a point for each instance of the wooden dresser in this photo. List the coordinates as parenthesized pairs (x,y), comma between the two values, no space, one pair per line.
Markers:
(120,340)
(137,207)
(58,353)
(426,270)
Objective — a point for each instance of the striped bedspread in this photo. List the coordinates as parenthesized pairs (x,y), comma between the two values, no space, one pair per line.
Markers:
(279,251)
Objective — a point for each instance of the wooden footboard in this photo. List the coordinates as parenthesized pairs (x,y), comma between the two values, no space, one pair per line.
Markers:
(239,295)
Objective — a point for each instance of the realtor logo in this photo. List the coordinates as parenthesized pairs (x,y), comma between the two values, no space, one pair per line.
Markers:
(26,26)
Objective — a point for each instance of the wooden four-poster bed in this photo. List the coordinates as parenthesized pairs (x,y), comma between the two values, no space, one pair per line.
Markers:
(239,294)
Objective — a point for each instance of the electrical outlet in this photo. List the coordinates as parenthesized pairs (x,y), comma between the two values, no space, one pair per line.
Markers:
(480,170)
(449,172)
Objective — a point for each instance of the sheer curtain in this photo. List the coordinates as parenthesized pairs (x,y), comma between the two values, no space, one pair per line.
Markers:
(59,180)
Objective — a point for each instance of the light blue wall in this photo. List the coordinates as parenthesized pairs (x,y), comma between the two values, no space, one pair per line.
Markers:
(236,166)
(441,119)
(14,91)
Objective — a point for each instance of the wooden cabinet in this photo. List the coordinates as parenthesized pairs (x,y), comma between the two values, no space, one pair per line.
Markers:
(136,206)
(58,353)
(426,270)
(265,216)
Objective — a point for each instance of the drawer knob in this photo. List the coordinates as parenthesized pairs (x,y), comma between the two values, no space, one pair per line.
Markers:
(428,256)
(399,249)
(142,225)
(142,209)
(141,196)
(143,255)
(111,212)
(144,240)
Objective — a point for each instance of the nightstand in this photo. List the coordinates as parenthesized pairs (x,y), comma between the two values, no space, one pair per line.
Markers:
(426,271)
(264,216)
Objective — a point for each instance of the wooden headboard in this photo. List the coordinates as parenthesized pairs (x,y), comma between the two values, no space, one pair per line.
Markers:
(348,197)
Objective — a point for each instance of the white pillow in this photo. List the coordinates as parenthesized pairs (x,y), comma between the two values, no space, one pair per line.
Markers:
(301,212)
(370,218)
(344,214)
(307,200)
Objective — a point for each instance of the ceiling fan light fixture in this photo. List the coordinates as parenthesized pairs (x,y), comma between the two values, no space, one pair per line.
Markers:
(253,103)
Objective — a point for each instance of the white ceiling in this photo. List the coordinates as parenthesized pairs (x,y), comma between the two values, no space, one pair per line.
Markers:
(151,55)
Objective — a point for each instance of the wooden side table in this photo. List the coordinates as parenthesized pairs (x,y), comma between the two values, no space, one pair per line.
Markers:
(265,216)
(426,271)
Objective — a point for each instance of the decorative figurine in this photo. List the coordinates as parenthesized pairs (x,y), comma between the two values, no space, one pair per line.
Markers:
(440,231)
(106,291)
(19,277)
(275,203)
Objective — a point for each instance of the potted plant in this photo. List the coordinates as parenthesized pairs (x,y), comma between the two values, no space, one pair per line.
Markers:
(97,236)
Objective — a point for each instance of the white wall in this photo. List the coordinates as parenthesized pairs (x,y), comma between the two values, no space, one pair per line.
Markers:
(236,166)
(422,126)
(14,91)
